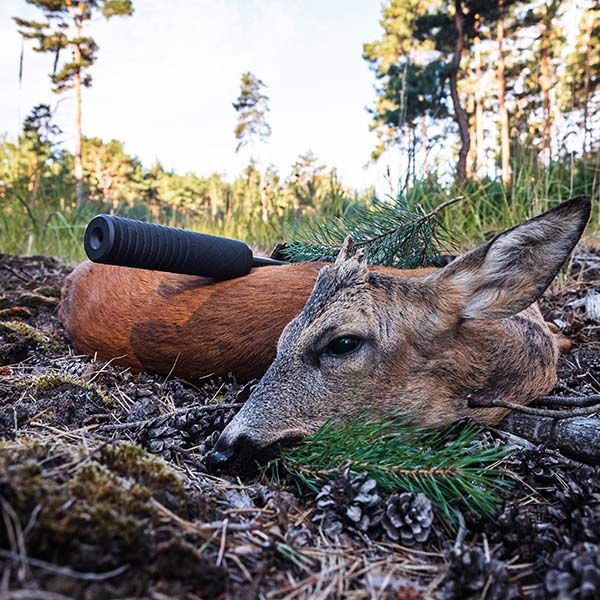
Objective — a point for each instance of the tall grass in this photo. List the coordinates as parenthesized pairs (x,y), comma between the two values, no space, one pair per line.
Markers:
(54,228)
(488,206)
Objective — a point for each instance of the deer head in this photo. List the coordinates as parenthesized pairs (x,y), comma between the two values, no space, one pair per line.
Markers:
(421,345)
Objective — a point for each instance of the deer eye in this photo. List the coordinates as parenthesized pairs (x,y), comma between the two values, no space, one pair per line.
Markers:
(343,345)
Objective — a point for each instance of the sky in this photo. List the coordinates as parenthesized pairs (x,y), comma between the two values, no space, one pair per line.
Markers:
(166,77)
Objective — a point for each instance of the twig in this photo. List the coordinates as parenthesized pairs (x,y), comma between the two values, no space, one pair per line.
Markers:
(462,530)
(222,544)
(569,400)
(15,273)
(529,410)
(34,595)
(415,223)
(64,571)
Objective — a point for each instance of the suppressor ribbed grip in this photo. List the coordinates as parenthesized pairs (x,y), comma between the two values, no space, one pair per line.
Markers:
(118,241)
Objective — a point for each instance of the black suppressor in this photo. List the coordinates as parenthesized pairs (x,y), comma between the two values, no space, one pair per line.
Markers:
(118,241)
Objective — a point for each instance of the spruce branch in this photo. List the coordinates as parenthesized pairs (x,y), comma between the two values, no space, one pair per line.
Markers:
(451,466)
(396,234)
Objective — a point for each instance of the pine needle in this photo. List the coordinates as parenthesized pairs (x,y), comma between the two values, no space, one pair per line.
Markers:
(451,465)
(395,234)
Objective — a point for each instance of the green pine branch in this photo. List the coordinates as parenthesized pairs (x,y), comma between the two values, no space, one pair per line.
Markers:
(394,234)
(451,466)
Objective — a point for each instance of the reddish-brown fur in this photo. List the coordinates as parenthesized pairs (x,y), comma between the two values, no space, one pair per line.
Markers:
(189,325)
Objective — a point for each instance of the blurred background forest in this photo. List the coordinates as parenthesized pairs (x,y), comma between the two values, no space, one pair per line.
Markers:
(495,101)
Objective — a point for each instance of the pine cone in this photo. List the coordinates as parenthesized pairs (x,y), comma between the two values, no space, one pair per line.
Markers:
(578,507)
(526,528)
(408,517)
(349,501)
(164,440)
(539,467)
(582,489)
(574,574)
(469,573)
(169,434)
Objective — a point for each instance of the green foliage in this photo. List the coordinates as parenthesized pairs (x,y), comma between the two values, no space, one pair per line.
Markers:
(414,62)
(452,466)
(61,31)
(393,233)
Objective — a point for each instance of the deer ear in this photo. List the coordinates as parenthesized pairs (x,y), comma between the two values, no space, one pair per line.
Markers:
(351,268)
(505,275)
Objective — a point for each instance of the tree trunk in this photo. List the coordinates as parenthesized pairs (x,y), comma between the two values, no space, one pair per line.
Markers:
(479,154)
(78,151)
(459,113)
(424,144)
(586,80)
(410,149)
(263,198)
(228,205)
(503,112)
(214,201)
(545,86)
(470,108)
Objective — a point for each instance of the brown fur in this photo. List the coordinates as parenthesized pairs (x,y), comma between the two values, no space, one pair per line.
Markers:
(189,325)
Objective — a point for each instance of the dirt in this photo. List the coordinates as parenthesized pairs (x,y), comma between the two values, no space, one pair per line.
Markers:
(104,493)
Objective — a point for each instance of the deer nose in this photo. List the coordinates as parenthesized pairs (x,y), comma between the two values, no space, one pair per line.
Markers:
(221,456)
(228,449)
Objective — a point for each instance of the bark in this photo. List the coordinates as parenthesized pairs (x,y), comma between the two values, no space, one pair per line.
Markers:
(586,82)
(78,163)
(424,144)
(459,112)
(263,198)
(545,86)
(503,112)
(577,437)
(479,151)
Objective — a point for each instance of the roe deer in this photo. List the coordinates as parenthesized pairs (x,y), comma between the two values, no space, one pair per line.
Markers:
(423,344)
(188,326)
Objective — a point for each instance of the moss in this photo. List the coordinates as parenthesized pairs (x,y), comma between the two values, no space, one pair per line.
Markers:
(131,461)
(33,299)
(15,312)
(31,333)
(52,381)
(96,511)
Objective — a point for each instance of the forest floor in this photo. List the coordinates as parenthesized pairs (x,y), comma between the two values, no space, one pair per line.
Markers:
(104,494)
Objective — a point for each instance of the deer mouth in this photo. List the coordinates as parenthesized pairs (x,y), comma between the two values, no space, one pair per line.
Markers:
(243,457)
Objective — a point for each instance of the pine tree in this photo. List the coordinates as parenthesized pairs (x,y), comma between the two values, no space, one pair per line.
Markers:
(533,72)
(409,85)
(252,106)
(490,22)
(579,87)
(502,110)
(62,29)
(419,62)
(311,185)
